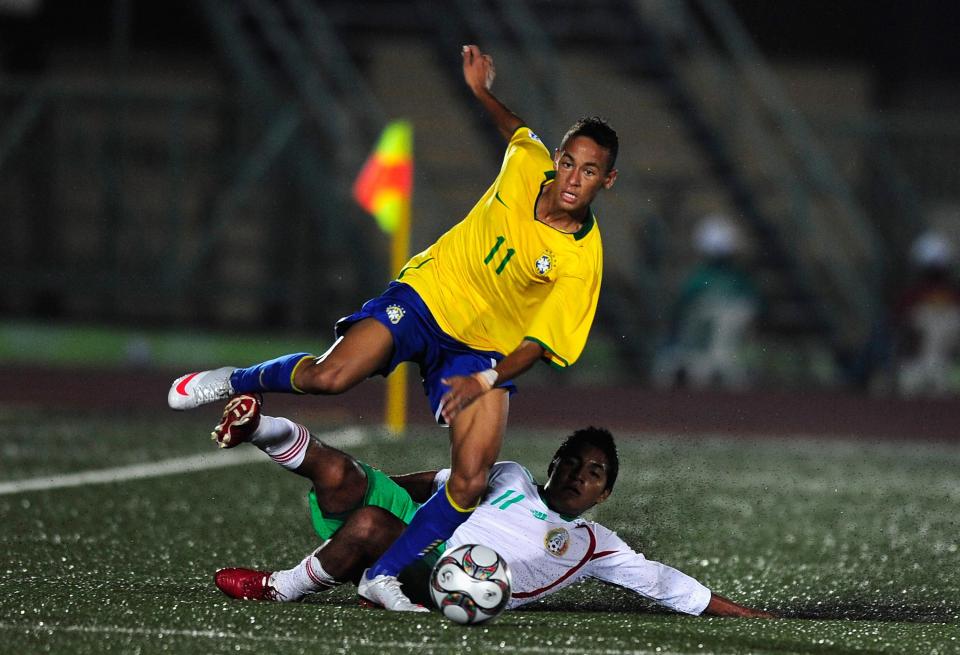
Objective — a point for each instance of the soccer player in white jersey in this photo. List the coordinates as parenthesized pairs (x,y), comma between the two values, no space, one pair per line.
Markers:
(358,511)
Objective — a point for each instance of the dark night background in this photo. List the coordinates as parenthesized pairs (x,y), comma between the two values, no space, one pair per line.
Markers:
(900,40)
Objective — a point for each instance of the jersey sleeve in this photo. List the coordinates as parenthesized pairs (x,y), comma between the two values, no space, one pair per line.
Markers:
(563,322)
(618,564)
(525,161)
(524,140)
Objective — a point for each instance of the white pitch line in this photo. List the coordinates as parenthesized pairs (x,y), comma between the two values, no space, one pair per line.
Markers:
(345,438)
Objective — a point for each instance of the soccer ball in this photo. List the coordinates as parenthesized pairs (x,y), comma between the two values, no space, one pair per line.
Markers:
(470,584)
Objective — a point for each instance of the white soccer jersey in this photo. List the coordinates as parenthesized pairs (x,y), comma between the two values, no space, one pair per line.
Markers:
(547,552)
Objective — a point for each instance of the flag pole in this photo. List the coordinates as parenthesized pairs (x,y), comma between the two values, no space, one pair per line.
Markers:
(396,403)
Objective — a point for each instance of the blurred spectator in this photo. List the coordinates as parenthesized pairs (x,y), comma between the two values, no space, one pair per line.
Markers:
(927,321)
(713,316)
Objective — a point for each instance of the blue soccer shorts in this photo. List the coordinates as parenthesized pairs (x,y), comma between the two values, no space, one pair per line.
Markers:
(417,338)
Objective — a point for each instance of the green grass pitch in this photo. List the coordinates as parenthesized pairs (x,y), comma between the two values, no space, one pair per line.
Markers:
(856,543)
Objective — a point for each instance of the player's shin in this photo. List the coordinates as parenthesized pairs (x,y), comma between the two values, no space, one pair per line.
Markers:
(433,524)
(273,375)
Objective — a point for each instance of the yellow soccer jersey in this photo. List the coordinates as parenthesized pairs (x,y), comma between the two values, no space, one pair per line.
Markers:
(501,276)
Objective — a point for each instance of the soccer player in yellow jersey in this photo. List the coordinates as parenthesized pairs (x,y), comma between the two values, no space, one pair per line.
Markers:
(515,282)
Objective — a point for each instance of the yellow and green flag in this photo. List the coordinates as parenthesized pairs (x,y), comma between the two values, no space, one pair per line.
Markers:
(384,186)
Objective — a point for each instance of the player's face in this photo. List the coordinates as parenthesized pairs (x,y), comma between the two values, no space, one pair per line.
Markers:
(578,481)
(581,172)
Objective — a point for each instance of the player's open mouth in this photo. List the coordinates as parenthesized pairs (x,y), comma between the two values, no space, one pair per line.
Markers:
(568,197)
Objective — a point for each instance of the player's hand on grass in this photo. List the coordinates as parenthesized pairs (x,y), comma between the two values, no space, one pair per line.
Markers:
(478,69)
(720,606)
(464,389)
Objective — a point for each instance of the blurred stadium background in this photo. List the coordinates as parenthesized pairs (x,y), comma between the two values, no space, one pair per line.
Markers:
(175,192)
(181,168)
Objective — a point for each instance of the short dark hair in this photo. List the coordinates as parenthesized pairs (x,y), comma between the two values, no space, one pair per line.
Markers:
(599,130)
(600,439)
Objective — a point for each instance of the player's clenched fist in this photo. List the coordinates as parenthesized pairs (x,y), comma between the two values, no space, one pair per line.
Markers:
(478,68)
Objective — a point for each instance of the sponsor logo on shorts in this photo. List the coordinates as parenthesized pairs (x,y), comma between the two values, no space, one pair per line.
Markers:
(544,263)
(557,541)
(395,313)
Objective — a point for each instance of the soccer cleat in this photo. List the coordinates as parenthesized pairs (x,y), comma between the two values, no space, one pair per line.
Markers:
(247,584)
(241,417)
(384,591)
(200,388)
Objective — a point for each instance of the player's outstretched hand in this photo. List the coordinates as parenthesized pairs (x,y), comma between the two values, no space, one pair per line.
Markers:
(478,69)
(464,389)
(720,606)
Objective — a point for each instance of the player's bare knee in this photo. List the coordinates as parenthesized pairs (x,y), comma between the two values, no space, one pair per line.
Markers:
(337,472)
(365,523)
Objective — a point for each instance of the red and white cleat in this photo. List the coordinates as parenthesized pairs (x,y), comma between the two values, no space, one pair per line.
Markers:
(195,389)
(241,417)
(247,584)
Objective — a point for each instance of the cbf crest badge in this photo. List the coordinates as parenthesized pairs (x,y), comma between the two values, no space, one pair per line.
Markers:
(544,263)
(557,541)
(395,313)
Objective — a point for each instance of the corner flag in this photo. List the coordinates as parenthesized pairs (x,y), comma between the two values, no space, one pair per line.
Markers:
(385,184)
(384,188)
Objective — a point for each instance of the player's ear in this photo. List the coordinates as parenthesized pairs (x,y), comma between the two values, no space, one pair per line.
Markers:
(604,496)
(610,179)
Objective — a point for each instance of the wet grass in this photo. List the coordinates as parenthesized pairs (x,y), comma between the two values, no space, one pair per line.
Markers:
(856,544)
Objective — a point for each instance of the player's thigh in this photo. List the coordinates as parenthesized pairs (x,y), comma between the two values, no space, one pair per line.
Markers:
(476,436)
(365,349)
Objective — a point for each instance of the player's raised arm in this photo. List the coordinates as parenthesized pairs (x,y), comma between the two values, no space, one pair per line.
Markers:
(479,72)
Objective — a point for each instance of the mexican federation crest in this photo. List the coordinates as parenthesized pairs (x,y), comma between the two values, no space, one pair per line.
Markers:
(557,541)
(544,263)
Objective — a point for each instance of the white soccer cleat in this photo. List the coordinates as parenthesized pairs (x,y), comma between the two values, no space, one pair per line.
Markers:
(200,388)
(384,591)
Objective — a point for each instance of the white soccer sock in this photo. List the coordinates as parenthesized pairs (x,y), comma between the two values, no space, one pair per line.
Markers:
(307,577)
(283,440)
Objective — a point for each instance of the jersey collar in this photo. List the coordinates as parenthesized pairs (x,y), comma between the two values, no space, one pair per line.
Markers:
(543,500)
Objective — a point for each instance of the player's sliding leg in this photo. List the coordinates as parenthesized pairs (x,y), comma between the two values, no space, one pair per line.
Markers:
(283,440)
(363,537)
(339,481)
(291,585)
(476,436)
(365,349)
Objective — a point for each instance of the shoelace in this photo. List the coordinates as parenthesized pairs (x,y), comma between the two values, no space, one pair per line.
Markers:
(211,392)
(392,587)
(261,588)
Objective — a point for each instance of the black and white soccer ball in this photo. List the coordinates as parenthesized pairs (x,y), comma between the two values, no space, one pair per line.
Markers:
(470,584)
